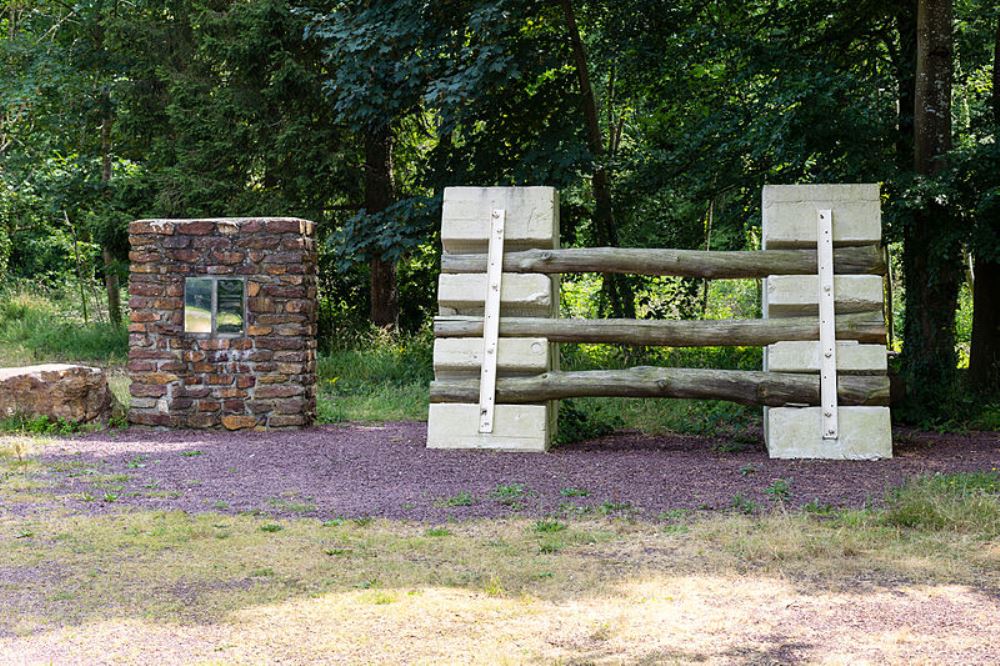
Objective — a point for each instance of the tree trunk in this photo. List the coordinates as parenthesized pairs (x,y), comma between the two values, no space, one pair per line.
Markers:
(906,67)
(932,256)
(109,268)
(618,289)
(984,357)
(707,264)
(861,326)
(747,387)
(379,194)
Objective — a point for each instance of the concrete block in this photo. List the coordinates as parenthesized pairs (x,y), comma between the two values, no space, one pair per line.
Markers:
(789,214)
(794,432)
(515,356)
(852,357)
(791,295)
(532,217)
(515,427)
(521,294)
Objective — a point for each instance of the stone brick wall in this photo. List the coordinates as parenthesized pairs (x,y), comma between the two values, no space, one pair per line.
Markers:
(264,377)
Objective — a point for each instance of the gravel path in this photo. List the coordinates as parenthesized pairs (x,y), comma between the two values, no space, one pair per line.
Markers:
(355,470)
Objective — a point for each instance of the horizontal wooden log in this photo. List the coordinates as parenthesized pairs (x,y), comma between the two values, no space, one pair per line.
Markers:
(861,326)
(712,264)
(748,387)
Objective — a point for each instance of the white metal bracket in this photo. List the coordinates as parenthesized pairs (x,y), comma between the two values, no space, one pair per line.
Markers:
(491,322)
(827,325)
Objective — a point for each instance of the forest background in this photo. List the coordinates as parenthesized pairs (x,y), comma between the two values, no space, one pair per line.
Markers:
(658,122)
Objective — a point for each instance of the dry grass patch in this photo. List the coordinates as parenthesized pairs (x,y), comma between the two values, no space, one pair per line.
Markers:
(730,588)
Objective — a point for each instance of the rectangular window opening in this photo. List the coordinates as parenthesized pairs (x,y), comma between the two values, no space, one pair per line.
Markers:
(214,305)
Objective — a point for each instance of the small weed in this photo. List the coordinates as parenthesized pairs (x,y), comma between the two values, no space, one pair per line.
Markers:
(271,527)
(383,598)
(493,588)
(438,532)
(609,508)
(336,552)
(367,584)
(676,529)
(509,494)
(409,506)
(191,453)
(779,490)
(815,506)
(24,534)
(219,505)
(363,521)
(747,470)
(137,462)
(463,498)
(574,492)
(548,526)
(87,497)
(673,515)
(110,497)
(550,547)
(333,522)
(264,572)
(743,505)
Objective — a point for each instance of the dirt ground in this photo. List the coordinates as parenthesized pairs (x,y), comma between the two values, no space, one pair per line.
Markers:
(385,471)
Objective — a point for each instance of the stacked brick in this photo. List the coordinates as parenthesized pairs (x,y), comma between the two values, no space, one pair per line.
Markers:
(262,377)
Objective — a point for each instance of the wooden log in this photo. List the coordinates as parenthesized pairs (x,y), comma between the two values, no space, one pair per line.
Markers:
(861,326)
(712,265)
(748,387)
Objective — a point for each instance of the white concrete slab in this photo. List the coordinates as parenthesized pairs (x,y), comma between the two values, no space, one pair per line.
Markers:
(515,427)
(532,217)
(865,433)
(852,357)
(515,356)
(521,294)
(789,214)
(795,295)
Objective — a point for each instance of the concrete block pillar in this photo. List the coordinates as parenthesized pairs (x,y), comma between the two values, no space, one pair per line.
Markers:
(789,222)
(531,221)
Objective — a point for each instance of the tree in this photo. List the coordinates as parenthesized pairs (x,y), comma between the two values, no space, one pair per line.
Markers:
(620,294)
(984,356)
(932,258)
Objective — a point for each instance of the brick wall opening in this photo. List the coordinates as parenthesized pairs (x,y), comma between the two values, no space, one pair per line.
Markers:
(223,323)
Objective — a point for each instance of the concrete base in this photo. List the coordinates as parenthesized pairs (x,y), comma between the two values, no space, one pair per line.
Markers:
(794,432)
(515,427)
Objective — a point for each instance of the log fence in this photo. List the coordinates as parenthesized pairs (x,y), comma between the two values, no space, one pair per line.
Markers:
(517,354)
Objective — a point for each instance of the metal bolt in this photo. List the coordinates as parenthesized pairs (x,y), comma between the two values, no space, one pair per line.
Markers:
(827,414)
(828,353)
(831,431)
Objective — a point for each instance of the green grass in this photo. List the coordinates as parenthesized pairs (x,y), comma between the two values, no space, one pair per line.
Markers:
(39,326)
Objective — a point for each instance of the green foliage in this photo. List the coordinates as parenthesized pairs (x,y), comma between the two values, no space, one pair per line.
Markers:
(463,498)
(45,325)
(37,425)
(780,490)
(576,424)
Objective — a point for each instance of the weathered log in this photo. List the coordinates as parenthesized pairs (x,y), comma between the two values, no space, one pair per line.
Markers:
(861,326)
(712,265)
(748,387)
